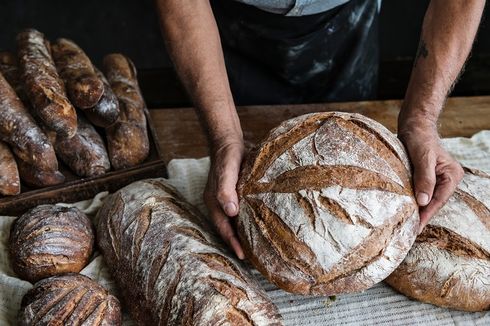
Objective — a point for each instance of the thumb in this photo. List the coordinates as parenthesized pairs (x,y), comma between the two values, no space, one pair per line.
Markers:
(424,178)
(226,188)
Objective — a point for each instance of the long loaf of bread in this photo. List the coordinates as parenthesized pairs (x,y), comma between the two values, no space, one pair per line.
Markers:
(127,139)
(10,69)
(84,153)
(9,174)
(106,112)
(43,86)
(169,267)
(83,86)
(33,149)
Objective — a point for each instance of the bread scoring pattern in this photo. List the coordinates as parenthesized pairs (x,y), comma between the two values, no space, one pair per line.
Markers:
(326,204)
(449,264)
(170,268)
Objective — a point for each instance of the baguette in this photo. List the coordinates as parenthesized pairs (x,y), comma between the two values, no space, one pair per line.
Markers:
(10,70)
(9,174)
(83,86)
(31,146)
(43,86)
(127,139)
(106,112)
(171,270)
(35,177)
(85,153)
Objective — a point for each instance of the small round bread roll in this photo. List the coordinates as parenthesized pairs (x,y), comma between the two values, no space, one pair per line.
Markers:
(326,204)
(50,240)
(70,299)
(449,264)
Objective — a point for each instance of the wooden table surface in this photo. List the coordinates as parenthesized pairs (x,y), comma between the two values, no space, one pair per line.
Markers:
(181,136)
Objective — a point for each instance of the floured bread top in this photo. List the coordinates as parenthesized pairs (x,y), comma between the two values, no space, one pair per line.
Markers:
(170,268)
(449,264)
(326,204)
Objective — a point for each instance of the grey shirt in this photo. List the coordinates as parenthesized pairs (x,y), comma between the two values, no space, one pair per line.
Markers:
(295,7)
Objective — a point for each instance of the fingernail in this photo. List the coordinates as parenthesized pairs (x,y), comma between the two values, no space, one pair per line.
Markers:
(230,209)
(422,199)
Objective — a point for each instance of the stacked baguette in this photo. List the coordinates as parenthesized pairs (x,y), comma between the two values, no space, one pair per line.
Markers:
(51,97)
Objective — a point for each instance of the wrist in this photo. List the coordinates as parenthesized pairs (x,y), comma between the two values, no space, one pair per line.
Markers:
(418,118)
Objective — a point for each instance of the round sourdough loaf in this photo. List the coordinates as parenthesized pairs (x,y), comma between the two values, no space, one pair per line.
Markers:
(326,204)
(50,240)
(449,264)
(70,299)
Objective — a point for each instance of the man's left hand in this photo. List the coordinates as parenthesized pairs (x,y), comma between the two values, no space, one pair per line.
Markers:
(435,173)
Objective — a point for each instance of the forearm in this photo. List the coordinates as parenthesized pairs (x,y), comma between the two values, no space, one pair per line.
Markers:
(193,42)
(448,32)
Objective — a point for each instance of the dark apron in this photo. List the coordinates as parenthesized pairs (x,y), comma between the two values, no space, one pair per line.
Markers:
(275,59)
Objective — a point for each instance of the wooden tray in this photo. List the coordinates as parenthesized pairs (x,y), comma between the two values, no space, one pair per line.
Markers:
(75,188)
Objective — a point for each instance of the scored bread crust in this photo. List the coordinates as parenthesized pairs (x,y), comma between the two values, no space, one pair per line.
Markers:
(69,299)
(127,138)
(83,85)
(50,240)
(326,204)
(169,267)
(449,264)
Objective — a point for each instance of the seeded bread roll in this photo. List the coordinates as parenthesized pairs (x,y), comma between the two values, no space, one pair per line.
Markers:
(83,86)
(326,204)
(9,174)
(50,240)
(171,270)
(127,139)
(449,264)
(70,299)
(42,84)
(106,112)
(84,153)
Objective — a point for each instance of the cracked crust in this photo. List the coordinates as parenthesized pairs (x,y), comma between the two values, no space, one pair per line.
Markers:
(449,264)
(326,204)
(169,266)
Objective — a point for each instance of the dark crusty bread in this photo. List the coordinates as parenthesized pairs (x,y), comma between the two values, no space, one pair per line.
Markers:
(10,69)
(50,240)
(34,177)
(171,270)
(42,84)
(9,174)
(70,299)
(30,145)
(326,204)
(449,264)
(106,112)
(84,153)
(127,139)
(83,86)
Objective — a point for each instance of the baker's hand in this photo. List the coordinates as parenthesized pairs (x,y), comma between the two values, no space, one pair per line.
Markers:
(220,195)
(436,173)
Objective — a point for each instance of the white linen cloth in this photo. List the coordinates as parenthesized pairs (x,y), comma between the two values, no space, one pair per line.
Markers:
(379,305)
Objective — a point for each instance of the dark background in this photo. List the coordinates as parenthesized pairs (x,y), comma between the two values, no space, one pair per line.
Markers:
(131,27)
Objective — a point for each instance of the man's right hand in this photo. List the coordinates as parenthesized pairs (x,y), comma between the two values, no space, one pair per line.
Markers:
(220,195)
